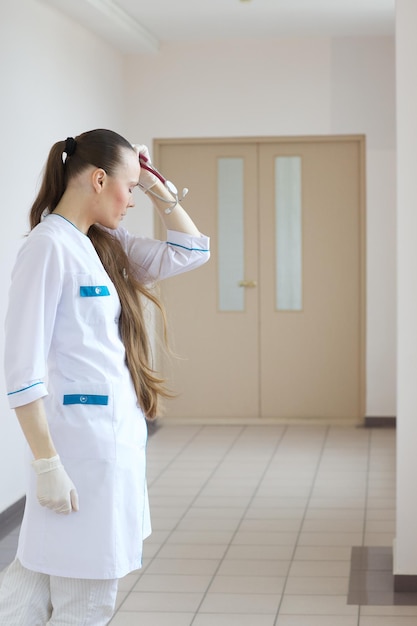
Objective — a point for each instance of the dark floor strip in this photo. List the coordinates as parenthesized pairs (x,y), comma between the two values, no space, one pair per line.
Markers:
(371,579)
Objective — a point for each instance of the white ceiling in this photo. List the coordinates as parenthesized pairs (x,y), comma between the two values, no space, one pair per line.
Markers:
(143,25)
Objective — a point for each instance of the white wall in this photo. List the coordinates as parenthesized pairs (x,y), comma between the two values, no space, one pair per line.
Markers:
(56,80)
(405,553)
(293,87)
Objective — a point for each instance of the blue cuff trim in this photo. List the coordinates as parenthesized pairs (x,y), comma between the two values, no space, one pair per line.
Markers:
(185,247)
(11,393)
(75,398)
(94,291)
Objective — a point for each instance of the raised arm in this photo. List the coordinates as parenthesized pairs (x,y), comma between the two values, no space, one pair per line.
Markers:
(170,211)
(178,219)
(185,248)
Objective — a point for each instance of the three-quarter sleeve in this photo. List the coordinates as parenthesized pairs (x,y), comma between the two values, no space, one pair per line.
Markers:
(155,260)
(33,302)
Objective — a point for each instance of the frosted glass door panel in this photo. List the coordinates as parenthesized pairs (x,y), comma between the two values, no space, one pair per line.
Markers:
(288,234)
(230,234)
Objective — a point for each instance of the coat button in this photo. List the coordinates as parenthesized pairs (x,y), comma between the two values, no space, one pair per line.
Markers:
(83,399)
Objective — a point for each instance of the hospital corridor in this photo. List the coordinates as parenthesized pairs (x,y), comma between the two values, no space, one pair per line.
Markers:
(266,525)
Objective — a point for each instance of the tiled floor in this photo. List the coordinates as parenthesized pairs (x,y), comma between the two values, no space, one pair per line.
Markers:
(254,526)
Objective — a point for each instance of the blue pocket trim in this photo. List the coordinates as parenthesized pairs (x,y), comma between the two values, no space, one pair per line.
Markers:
(76,398)
(94,291)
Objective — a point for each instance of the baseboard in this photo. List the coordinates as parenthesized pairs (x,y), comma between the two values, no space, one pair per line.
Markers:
(380,422)
(367,422)
(259,421)
(11,517)
(405,584)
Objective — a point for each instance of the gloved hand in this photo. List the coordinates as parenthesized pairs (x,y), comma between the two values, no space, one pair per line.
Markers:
(146,179)
(55,489)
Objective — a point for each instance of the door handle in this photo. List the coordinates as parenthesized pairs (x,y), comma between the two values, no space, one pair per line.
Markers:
(247,283)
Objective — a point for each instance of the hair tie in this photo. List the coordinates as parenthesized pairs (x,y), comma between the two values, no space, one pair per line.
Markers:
(70,145)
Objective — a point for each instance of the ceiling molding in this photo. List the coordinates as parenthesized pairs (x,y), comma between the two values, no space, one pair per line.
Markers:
(107,20)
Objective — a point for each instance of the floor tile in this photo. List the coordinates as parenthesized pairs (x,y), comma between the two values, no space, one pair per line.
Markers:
(248,584)
(379,539)
(333,525)
(205,524)
(380,526)
(260,511)
(320,568)
(164,602)
(336,514)
(316,620)
(240,602)
(129,618)
(202,537)
(387,621)
(329,539)
(212,513)
(192,551)
(264,526)
(316,605)
(321,585)
(184,567)
(254,567)
(268,538)
(236,619)
(172,583)
(393,611)
(323,553)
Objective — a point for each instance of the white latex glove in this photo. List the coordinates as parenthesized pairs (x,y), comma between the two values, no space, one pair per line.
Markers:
(55,489)
(146,179)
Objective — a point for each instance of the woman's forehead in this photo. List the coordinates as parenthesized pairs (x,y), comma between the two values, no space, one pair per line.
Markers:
(129,165)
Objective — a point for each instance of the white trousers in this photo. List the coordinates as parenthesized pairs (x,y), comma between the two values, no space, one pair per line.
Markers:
(29,598)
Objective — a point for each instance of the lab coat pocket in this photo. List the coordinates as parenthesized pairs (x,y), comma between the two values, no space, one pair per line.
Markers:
(95,298)
(82,423)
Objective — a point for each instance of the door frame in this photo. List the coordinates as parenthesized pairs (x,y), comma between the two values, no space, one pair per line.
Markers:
(360,139)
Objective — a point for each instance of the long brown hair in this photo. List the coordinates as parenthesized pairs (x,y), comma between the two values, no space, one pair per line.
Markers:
(103,148)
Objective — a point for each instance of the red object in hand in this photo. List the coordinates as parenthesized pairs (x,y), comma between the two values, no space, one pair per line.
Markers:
(144,162)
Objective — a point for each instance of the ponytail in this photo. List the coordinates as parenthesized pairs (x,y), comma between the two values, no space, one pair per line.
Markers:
(52,187)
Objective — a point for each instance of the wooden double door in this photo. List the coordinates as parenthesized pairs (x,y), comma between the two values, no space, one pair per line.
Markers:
(273,325)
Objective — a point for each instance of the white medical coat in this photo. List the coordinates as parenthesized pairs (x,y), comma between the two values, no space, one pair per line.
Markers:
(63,344)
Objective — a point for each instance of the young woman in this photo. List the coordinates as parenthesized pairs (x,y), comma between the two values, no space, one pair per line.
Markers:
(79,375)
